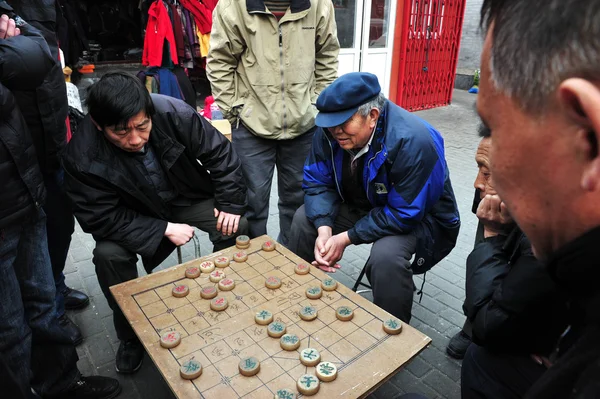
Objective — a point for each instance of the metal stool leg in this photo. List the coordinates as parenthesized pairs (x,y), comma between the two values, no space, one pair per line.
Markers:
(359,281)
(179,257)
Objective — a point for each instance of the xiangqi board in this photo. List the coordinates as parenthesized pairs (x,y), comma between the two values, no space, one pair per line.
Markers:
(364,355)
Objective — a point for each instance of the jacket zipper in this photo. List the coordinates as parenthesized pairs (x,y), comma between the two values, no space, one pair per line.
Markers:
(368,170)
(282,80)
(335,172)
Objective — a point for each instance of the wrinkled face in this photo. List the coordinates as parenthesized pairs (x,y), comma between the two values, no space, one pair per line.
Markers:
(531,161)
(356,131)
(484,182)
(132,137)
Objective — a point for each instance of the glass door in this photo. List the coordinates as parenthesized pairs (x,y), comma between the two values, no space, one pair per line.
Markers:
(365,31)
(378,32)
(349,29)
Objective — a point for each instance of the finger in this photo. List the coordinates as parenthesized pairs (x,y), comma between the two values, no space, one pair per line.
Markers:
(17,31)
(236,224)
(220,222)
(496,203)
(320,245)
(10,30)
(216,212)
(225,225)
(337,266)
(230,222)
(3,25)
(327,269)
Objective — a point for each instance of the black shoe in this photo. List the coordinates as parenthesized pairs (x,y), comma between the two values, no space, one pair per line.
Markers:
(94,387)
(72,328)
(75,299)
(458,345)
(129,356)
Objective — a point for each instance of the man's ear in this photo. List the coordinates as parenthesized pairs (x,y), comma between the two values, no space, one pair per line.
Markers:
(95,124)
(581,100)
(374,114)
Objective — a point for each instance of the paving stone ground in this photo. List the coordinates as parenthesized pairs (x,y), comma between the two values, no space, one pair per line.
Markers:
(438,314)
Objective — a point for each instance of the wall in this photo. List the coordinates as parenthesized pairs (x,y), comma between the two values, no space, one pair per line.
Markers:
(471,40)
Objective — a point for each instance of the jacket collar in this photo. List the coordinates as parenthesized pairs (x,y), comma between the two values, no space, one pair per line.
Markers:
(576,268)
(259,6)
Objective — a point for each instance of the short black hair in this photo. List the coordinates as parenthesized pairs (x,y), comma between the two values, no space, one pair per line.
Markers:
(116,98)
(537,44)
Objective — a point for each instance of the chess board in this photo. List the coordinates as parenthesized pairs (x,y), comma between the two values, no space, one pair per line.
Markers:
(364,354)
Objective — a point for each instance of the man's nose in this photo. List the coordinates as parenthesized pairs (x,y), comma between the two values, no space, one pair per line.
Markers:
(135,138)
(479,183)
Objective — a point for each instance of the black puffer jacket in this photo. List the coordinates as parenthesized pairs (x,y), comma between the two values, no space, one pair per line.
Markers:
(23,65)
(113,201)
(44,107)
(511,301)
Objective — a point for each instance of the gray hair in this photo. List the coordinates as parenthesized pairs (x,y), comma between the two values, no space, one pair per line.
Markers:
(378,102)
(537,44)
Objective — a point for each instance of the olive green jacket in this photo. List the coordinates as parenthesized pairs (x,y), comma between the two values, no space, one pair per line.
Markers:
(269,73)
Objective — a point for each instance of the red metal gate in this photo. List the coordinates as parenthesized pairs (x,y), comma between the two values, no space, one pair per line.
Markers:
(430,40)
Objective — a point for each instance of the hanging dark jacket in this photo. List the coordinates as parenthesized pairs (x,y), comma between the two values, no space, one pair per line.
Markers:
(575,373)
(113,201)
(44,107)
(511,301)
(23,65)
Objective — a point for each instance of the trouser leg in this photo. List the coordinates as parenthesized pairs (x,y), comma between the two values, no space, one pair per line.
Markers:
(388,271)
(303,235)
(291,155)
(60,225)
(488,375)
(115,265)
(258,157)
(32,340)
(202,216)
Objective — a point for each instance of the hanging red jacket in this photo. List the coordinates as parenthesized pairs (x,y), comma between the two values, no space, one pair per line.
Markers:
(158,29)
(202,14)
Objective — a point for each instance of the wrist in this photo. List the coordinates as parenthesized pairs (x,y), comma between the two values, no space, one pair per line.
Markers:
(168,229)
(325,231)
(345,238)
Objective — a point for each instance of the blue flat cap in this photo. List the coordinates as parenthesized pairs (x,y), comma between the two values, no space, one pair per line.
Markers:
(338,102)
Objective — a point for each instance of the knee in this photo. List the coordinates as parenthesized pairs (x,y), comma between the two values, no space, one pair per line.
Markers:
(107,252)
(300,220)
(392,252)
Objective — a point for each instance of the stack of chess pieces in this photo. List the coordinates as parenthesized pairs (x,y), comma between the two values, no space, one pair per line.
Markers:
(307,384)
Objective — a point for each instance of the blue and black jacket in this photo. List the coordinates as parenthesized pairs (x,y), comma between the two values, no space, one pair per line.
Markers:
(405,177)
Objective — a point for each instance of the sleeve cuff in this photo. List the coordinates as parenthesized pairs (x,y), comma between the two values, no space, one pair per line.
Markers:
(320,222)
(354,238)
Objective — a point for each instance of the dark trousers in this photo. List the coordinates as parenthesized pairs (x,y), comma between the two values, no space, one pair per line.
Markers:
(60,225)
(497,376)
(32,341)
(259,157)
(388,267)
(116,264)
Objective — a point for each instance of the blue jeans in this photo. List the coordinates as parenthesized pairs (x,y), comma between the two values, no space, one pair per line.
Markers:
(32,341)
(60,225)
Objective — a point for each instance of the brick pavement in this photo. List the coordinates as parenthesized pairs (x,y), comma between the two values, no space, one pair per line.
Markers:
(438,315)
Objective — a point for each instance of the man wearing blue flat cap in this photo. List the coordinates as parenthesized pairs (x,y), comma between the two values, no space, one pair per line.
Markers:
(375,174)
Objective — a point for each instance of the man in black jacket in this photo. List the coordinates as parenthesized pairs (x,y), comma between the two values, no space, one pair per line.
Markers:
(516,313)
(32,341)
(141,171)
(539,97)
(45,111)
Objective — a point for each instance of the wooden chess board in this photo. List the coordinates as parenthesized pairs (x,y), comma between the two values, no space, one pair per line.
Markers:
(364,354)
